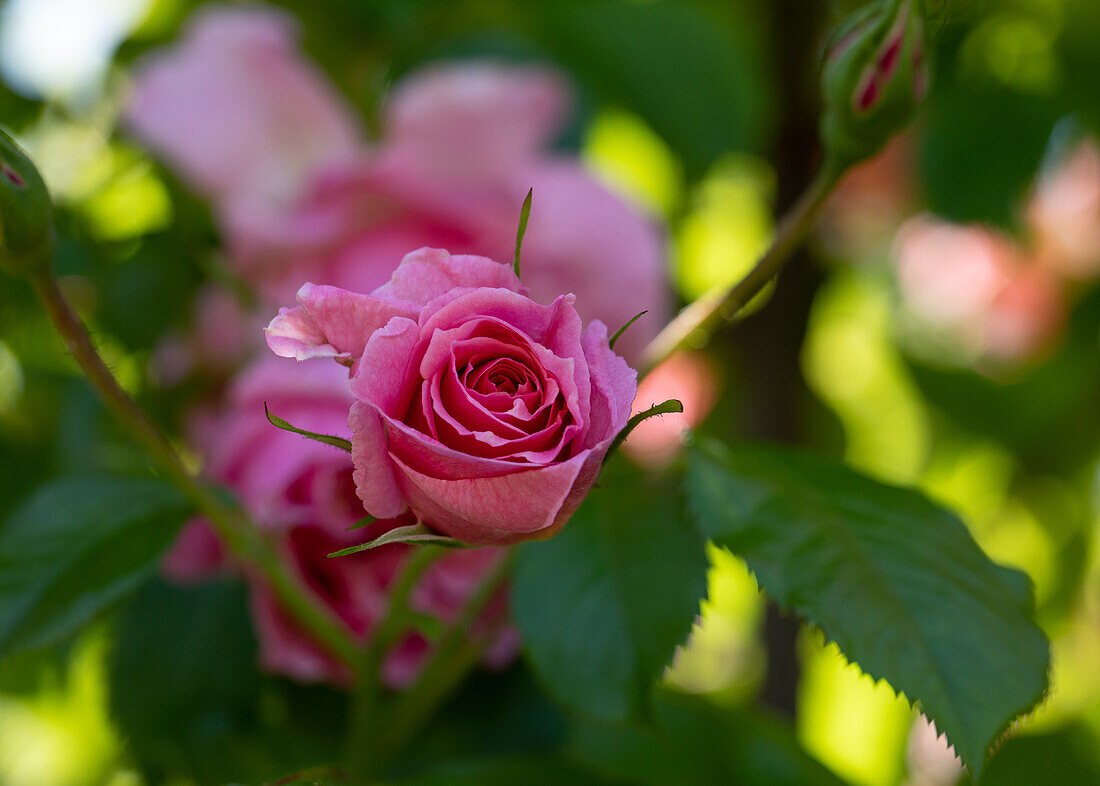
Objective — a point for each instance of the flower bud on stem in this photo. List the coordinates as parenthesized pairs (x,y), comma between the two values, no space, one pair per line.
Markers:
(26,215)
(873,78)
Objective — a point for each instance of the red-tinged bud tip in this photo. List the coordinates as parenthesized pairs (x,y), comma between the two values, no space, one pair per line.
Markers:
(26,215)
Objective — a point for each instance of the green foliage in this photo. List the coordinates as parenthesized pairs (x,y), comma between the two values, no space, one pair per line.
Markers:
(185,691)
(1067,756)
(895,581)
(694,742)
(602,605)
(1049,416)
(504,771)
(77,546)
(980,150)
(697,82)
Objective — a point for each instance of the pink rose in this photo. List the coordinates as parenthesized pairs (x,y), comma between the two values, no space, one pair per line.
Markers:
(236,110)
(483,413)
(303,494)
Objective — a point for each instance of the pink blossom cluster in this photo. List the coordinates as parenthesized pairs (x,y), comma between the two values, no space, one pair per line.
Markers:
(299,194)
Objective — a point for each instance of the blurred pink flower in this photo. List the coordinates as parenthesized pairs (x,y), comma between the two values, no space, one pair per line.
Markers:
(689,377)
(501,117)
(1064,213)
(302,493)
(978,288)
(236,110)
(1026,315)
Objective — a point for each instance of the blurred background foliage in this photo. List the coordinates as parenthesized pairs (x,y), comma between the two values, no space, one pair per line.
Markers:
(703,112)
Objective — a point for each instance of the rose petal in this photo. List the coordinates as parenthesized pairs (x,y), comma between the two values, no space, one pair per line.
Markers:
(378,386)
(614,386)
(330,322)
(427,273)
(491,510)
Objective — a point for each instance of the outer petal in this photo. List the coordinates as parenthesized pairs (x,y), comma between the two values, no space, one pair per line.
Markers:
(492,510)
(378,386)
(614,386)
(330,322)
(427,273)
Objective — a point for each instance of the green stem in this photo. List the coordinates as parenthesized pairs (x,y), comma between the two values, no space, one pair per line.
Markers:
(366,704)
(238,533)
(696,323)
(450,659)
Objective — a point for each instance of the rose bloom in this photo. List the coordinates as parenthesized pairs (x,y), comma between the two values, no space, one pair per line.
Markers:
(484,414)
(302,493)
(249,124)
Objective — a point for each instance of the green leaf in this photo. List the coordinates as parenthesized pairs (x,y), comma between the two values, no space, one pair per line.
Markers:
(603,604)
(74,548)
(1069,755)
(693,741)
(186,694)
(366,521)
(327,439)
(521,230)
(412,534)
(894,580)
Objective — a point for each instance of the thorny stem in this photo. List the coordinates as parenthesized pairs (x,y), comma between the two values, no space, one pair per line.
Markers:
(238,533)
(696,323)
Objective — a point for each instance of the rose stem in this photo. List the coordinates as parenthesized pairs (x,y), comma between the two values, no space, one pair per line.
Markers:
(239,534)
(365,720)
(695,324)
(449,660)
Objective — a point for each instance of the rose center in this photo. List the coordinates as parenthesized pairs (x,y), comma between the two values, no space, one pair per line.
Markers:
(501,375)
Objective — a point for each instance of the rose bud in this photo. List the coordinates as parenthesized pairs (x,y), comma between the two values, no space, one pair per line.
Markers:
(26,214)
(484,413)
(873,78)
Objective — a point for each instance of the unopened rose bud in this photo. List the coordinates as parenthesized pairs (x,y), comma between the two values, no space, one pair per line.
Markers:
(874,76)
(26,218)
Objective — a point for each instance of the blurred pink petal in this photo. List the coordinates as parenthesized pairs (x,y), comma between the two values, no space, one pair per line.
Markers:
(236,109)
(1065,214)
(474,120)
